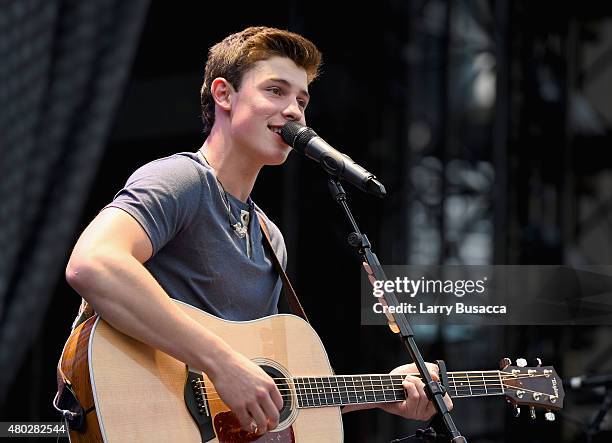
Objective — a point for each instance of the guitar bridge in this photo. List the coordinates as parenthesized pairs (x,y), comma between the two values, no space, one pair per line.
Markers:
(197,403)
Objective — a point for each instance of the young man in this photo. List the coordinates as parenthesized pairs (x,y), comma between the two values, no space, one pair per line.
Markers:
(185,227)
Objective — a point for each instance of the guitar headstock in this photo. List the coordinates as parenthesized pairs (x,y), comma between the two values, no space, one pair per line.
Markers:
(535,386)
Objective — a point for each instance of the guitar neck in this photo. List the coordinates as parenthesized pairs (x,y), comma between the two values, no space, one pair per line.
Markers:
(340,390)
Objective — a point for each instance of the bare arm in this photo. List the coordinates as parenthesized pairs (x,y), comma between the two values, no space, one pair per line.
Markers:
(106,269)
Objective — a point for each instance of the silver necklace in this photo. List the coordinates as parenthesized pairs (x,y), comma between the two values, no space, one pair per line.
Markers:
(241,228)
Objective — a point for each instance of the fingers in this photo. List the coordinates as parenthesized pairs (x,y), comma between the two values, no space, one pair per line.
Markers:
(260,419)
(258,413)
(263,410)
(417,406)
(417,400)
(424,411)
(277,398)
(412,396)
(271,410)
(434,370)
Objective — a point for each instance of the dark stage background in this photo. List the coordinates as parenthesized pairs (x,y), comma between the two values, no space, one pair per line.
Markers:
(488,122)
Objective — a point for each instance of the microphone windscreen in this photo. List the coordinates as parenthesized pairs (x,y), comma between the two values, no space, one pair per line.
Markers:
(296,135)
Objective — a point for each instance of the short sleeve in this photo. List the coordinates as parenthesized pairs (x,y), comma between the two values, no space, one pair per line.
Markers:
(164,196)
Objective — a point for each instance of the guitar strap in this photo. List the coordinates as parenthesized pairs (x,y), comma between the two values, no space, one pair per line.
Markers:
(292,298)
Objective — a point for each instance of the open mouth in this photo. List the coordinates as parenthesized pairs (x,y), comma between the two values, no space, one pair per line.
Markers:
(275,129)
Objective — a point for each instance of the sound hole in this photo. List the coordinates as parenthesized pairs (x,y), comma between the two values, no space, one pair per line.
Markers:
(283,386)
(228,427)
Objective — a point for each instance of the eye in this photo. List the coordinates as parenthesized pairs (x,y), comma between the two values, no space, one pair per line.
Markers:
(275,90)
(302,103)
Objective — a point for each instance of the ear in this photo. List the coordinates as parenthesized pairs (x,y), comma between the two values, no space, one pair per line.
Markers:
(221,91)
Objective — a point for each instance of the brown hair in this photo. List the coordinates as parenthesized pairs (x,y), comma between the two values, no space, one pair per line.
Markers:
(238,52)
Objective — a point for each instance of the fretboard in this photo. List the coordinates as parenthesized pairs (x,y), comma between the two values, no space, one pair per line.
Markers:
(340,390)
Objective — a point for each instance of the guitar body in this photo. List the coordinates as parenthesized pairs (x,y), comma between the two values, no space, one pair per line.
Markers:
(132,392)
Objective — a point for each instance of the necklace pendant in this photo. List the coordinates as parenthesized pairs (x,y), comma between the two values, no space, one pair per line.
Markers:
(240,230)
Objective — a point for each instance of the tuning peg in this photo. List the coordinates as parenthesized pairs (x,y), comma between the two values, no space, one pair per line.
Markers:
(504,363)
(537,362)
(532,413)
(521,362)
(549,416)
(516,411)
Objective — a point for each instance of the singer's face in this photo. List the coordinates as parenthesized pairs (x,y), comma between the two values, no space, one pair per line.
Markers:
(271,93)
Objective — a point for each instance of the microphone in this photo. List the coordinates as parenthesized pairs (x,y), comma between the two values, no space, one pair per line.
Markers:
(590,381)
(307,142)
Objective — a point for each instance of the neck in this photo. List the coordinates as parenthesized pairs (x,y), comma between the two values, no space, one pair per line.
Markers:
(344,390)
(233,169)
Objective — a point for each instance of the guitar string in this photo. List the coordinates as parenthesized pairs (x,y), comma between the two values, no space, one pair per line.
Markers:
(393,381)
(395,391)
(400,377)
(380,385)
(302,395)
(373,392)
(374,389)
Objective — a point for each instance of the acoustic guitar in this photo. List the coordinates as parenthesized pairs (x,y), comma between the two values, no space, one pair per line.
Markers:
(113,388)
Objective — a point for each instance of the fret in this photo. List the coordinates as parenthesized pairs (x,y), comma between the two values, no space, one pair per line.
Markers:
(469,385)
(321,400)
(494,387)
(344,392)
(398,393)
(326,395)
(329,395)
(384,387)
(452,385)
(298,393)
(322,392)
(461,383)
(359,389)
(357,397)
(311,389)
(368,389)
(309,393)
(474,384)
(327,391)
(379,390)
(314,391)
(337,392)
(392,391)
(394,388)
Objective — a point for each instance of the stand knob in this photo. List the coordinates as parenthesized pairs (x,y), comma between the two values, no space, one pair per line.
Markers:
(549,416)
(537,362)
(516,411)
(521,362)
(532,413)
(504,363)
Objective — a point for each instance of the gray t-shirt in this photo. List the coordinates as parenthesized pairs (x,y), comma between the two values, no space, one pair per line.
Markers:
(197,257)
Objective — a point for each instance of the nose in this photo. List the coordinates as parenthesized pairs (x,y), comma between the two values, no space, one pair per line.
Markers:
(293,112)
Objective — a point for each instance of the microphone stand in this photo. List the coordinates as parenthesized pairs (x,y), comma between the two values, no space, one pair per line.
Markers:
(399,325)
